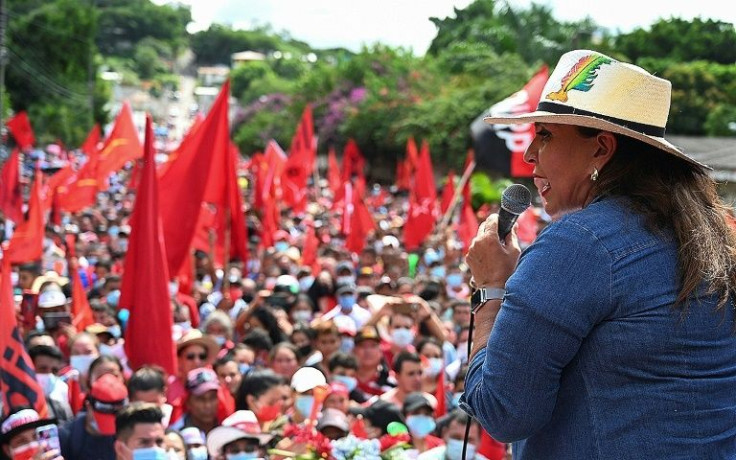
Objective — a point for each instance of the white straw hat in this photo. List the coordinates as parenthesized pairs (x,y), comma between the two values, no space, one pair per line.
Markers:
(590,89)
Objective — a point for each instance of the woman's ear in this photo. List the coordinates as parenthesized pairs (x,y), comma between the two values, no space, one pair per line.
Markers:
(607,143)
(250,400)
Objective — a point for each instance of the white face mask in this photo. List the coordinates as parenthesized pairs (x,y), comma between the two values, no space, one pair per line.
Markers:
(434,368)
(81,362)
(402,337)
(455,450)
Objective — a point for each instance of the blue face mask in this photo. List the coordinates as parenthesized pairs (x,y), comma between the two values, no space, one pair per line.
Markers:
(347,344)
(243,368)
(350,382)
(150,453)
(420,425)
(304,404)
(115,331)
(220,340)
(347,302)
(454,280)
(281,246)
(197,453)
(456,399)
(455,450)
(438,271)
(305,283)
(242,456)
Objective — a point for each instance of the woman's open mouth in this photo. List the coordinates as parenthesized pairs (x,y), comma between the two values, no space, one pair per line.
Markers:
(542,185)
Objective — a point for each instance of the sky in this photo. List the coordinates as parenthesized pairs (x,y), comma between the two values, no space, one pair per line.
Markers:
(405,23)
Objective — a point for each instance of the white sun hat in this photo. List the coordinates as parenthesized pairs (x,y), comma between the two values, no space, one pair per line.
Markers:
(593,90)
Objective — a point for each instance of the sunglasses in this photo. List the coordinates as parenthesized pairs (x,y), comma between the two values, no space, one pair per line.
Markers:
(193,356)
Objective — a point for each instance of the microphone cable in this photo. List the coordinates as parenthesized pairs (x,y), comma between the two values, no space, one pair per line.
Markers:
(470,417)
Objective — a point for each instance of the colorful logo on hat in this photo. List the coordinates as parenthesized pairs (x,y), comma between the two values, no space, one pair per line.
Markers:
(580,77)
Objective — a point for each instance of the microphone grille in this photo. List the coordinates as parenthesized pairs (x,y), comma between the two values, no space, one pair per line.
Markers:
(516,198)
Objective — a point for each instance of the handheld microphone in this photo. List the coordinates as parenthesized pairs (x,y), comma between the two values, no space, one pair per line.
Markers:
(515,199)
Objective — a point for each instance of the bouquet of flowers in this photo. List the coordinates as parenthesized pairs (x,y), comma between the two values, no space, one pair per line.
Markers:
(306,444)
(395,444)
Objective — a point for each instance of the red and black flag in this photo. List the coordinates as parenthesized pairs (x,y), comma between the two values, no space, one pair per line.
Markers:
(18,385)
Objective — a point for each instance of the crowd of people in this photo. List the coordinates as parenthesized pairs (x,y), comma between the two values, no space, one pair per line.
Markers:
(356,356)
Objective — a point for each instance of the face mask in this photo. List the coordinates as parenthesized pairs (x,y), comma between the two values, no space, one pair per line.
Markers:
(248,298)
(420,425)
(305,350)
(197,453)
(220,340)
(81,362)
(47,382)
(26,451)
(349,279)
(435,367)
(115,331)
(123,243)
(350,382)
(347,302)
(113,231)
(173,288)
(243,368)
(150,453)
(242,456)
(268,413)
(281,246)
(92,260)
(455,280)
(172,455)
(456,399)
(305,283)
(302,316)
(455,450)
(462,351)
(402,337)
(304,404)
(185,326)
(438,271)
(347,344)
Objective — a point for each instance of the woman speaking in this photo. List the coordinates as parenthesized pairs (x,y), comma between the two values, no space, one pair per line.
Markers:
(612,336)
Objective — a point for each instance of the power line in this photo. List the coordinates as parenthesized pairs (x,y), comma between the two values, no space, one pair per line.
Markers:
(47,82)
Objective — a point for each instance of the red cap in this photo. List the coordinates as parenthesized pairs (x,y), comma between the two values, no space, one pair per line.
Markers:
(107,396)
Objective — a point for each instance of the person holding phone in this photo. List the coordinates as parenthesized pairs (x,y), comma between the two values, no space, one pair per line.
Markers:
(25,435)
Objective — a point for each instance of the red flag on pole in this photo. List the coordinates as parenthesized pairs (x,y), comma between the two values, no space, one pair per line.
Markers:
(334,179)
(310,247)
(352,161)
(26,244)
(82,193)
(11,196)
(448,192)
(93,138)
(422,203)
(440,396)
(82,316)
(20,127)
(183,186)
(361,223)
(18,386)
(122,145)
(145,289)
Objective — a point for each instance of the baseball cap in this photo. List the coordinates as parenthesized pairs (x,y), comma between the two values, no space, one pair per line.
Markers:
(346,288)
(416,400)
(367,333)
(337,388)
(21,420)
(344,266)
(107,396)
(192,436)
(242,424)
(334,418)
(307,378)
(51,298)
(380,414)
(202,380)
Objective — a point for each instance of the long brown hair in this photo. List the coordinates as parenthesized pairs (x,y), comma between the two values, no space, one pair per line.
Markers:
(676,195)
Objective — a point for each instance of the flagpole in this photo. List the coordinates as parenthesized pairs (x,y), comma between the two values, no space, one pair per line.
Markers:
(226,256)
(456,197)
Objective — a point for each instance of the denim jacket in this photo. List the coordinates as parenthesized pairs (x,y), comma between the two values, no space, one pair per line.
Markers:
(589,358)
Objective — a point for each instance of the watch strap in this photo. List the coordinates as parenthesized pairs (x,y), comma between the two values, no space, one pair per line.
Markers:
(483,295)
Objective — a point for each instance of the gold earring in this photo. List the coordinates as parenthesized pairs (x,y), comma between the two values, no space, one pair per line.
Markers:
(594,176)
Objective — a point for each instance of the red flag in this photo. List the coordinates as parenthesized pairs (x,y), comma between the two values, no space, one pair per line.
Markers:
(300,164)
(93,138)
(175,154)
(18,385)
(310,247)
(405,169)
(334,178)
(440,396)
(26,244)
(448,192)
(490,448)
(352,161)
(422,203)
(82,193)
(122,145)
(468,222)
(304,142)
(183,186)
(360,220)
(145,289)
(81,311)
(11,196)
(20,127)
